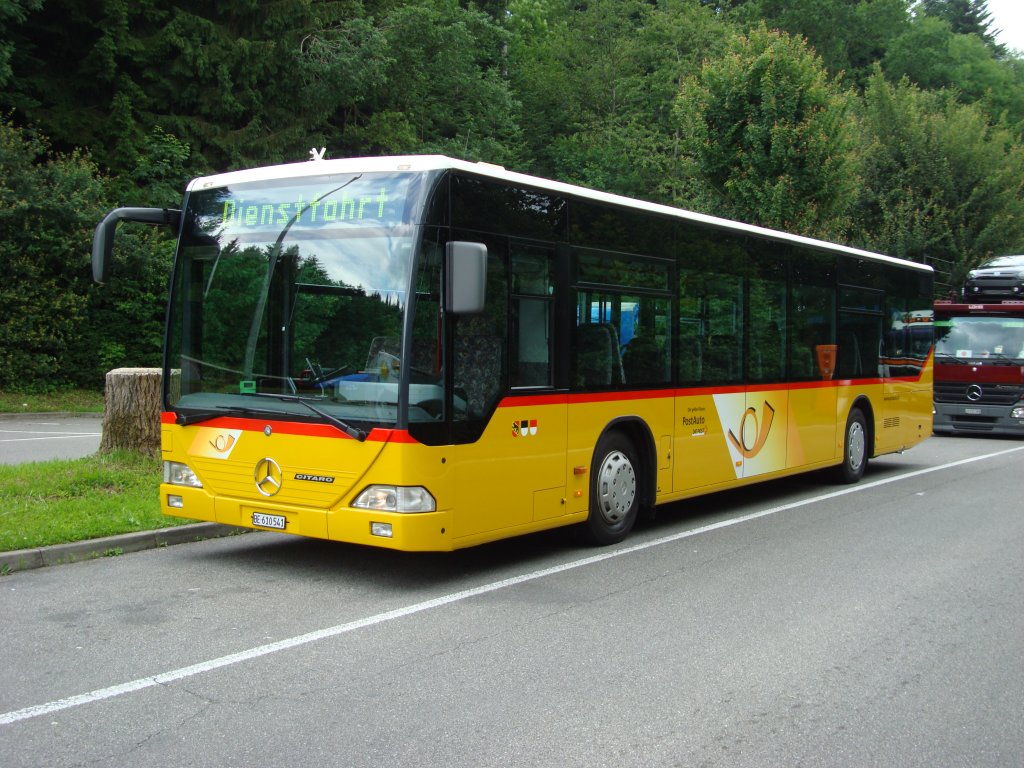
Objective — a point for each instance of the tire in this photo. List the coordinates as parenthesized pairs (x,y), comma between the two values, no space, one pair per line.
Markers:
(614,490)
(855,448)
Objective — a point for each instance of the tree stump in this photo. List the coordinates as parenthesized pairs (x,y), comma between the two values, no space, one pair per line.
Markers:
(131,411)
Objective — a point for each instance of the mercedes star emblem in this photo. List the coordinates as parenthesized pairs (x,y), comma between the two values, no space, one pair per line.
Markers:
(268,477)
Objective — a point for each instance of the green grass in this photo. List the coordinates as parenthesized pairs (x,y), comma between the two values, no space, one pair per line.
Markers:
(73,400)
(55,502)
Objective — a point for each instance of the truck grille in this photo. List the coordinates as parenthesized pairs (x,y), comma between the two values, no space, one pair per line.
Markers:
(990,394)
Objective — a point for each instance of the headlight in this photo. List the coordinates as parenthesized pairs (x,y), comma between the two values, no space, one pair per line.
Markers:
(1017,413)
(177,473)
(396,498)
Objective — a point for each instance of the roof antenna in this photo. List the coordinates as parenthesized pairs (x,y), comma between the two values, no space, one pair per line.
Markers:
(317,154)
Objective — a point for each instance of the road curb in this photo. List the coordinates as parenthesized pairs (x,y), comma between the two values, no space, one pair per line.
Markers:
(53,415)
(109,546)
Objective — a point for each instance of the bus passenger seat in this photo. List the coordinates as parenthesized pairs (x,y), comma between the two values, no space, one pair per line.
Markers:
(478,371)
(690,359)
(598,363)
(849,357)
(644,362)
(720,358)
(802,363)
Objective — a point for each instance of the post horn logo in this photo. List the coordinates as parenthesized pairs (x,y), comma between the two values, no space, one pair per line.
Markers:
(740,443)
(268,477)
(222,443)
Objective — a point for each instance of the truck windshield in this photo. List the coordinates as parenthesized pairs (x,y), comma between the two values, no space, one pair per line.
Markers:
(979,337)
(288,301)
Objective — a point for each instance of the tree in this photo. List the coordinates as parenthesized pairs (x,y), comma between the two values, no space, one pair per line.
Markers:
(48,208)
(933,57)
(57,327)
(965,17)
(131,411)
(941,185)
(226,78)
(442,87)
(847,36)
(598,82)
(767,136)
(251,83)
(13,13)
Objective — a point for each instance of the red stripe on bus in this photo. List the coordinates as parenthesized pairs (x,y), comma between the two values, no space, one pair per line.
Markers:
(377,435)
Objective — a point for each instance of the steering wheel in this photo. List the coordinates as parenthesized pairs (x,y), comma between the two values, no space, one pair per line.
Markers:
(318,372)
(316,369)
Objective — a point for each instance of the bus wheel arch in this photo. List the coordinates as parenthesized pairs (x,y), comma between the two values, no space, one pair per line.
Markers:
(619,481)
(637,430)
(858,442)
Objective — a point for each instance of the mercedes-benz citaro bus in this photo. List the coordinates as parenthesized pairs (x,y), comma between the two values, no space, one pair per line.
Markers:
(426,354)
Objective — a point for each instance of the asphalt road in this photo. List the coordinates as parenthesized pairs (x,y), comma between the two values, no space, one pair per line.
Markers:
(796,623)
(39,437)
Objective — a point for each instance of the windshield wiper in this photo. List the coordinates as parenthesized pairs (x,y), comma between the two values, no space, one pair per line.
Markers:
(948,358)
(184,419)
(993,358)
(349,430)
(1000,359)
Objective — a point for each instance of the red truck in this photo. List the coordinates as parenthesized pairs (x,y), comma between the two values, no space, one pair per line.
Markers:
(979,368)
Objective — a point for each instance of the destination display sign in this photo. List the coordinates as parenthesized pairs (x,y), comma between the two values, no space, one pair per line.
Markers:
(372,201)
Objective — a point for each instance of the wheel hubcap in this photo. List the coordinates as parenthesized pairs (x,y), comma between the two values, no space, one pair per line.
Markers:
(856,446)
(616,487)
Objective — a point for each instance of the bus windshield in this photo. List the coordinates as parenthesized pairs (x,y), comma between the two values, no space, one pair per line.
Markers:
(978,337)
(288,301)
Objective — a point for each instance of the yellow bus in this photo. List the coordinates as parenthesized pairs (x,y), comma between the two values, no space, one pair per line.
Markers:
(424,353)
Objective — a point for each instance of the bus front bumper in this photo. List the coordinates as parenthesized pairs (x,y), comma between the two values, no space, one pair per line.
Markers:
(978,419)
(413,532)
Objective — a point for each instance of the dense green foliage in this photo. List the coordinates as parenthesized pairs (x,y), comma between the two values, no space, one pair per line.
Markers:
(890,124)
(58,328)
(769,137)
(941,184)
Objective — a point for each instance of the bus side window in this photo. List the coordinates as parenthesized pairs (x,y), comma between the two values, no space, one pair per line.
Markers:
(646,356)
(691,328)
(712,279)
(812,311)
(723,344)
(859,333)
(478,353)
(767,329)
(532,317)
(596,358)
(810,330)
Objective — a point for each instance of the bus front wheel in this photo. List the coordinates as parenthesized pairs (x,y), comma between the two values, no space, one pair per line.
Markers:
(613,490)
(855,448)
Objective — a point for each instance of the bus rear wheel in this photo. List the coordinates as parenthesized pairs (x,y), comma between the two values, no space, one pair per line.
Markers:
(614,500)
(855,448)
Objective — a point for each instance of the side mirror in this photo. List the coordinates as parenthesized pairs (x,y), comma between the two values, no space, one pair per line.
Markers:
(103,237)
(466,277)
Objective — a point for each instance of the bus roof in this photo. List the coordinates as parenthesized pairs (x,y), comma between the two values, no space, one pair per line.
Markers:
(422,163)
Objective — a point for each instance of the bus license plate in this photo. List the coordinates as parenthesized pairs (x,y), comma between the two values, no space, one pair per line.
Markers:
(268,521)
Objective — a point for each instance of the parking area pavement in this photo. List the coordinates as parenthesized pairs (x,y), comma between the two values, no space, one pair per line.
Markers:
(44,436)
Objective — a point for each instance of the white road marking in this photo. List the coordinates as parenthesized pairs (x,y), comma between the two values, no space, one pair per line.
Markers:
(52,436)
(370,621)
